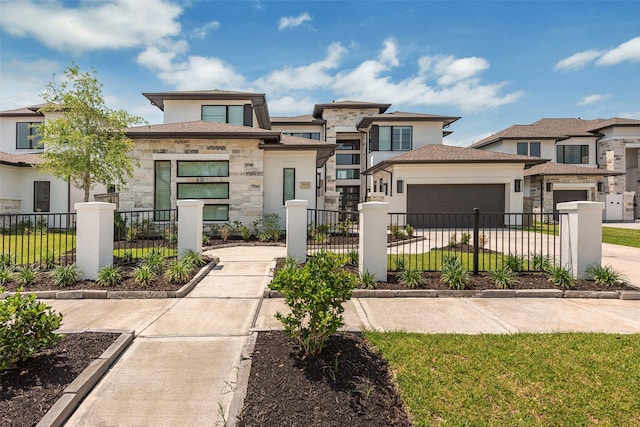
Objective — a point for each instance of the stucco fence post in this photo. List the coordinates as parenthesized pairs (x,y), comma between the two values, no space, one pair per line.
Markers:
(189,226)
(94,237)
(580,235)
(297,229)
(373,239)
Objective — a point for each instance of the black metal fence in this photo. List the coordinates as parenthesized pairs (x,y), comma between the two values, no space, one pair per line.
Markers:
(332,231)
(138,232)
(483,241)
(41,239)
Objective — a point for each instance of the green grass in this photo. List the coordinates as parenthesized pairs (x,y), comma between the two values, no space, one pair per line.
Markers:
(29,248)
(621,236)
(432,260)
(516,380)
(543,228)
(140,252)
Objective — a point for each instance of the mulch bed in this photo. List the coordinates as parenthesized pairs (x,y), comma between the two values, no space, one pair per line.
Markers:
(347,384)
(28,390)
(44,282)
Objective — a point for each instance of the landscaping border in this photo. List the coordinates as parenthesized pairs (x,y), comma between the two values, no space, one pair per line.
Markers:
(80,387)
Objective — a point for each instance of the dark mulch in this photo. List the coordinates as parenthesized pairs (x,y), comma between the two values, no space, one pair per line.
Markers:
(44,282)
(347,384)
(28,390)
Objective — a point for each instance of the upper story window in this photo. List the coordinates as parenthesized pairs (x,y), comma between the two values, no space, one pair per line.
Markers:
(390,138)
(241,115)
(348,144)
(27,136)
(347,159)
(529,149)
(308,135)
(572,154)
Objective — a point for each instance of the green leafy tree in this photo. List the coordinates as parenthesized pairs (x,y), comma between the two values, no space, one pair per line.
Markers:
(87,143)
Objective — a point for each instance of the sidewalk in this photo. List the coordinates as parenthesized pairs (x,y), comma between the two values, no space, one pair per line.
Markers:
(182,368)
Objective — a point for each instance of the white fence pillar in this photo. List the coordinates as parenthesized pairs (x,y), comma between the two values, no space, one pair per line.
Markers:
(94,237)
(189,226)
(373,239)
(297,229)
(580,235)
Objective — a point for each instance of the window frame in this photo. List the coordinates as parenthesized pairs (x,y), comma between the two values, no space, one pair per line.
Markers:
(226,107)
(201,161)
(33,137)
(524,145)
(201,184)
(300,135)
(47,199)
(204,218)
(164,215)
(582,147)
(357,172)
(379,130)
(400,186)
(284,185)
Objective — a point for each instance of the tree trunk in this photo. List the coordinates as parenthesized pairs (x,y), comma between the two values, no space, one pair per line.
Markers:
(86,185)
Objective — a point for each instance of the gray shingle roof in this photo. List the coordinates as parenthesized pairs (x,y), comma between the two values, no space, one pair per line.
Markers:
(20,159)
(401,116)
(200,129)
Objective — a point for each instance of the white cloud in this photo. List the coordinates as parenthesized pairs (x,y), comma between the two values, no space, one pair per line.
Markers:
(24,82)
(630,114)
(108,24)
(592,99)
(448,69)
(202,31)
(627,51)
(289,105)
(578,61)
(293,21)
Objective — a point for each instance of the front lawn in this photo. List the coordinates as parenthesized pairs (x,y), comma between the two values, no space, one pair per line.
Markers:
(621,236)
(521,379)
(29,248)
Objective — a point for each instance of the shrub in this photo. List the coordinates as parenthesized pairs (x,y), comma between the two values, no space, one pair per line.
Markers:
(26,326)
(482,240)
(7,260)
(399,264)
(170,234)
(133,232)
(465,238)
(502,278)
(127,256)
(119,226)
(225,232)
(605,276)
(345,226)
(144,275)
(397,232)
(352,257)
(26,276)
(409,230)
(194,258)
(411,278)
(368,280)
(453,239)
(245,233)
(179,271)
(541,262)
(515,262)
(154,259)
(109,275)
(454,275)
(5,275)
(561,277)
(315,294)
(65,275)
(48,260)
(271,225)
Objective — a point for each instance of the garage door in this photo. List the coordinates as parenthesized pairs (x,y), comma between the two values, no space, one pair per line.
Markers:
(560,196)
(427,198)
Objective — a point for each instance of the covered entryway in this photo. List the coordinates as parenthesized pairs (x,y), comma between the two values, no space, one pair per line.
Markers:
(461,198)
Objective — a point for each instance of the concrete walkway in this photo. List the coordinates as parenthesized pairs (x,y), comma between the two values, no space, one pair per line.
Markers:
(182,367)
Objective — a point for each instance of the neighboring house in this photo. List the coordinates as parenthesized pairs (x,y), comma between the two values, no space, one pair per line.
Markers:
(594,160)
(23,188)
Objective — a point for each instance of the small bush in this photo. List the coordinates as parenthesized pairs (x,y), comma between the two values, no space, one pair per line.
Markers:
(144,275)
(26,276)
(409,230)
(397,232)
(225,232)
(465,238)
(109,275)
(541,262)
(195,259)
(605,276)
(154,259)
(411,278)
(127,256)
(245,233)
(453,239)
(453,274)
(48,260)
(271,225)
(482,240)
(561,277)
(315,294)
(368,280)
(133,232)
(65,275)
(345,226)
(7,260)
(352,257)
(5,275)
(399,264)
(26,326)
(515,262)
(179,271)
(503,278)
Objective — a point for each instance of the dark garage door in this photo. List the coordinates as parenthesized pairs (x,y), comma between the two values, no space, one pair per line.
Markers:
(432,198)
(560,196)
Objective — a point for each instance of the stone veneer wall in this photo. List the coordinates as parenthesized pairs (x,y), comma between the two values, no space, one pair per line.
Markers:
(245,174)
(534,190)
(340,117)
(611,156)
(10,206)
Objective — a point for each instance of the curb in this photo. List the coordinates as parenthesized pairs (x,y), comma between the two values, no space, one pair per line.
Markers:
(486,293)
(100,294)
(82,385)
(237,401)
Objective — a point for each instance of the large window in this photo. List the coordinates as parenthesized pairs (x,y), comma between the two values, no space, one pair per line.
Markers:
(215,213)
(203,168)
(390,138)
(572,154)
(349,144)
(529,148)
(347,173)
(308,135)
(347,159)
(232,114)
(162,189)
(27,136)
(41,196)
(203,190)
(288,184)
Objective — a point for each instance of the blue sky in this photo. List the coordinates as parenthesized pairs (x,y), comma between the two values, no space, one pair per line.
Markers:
(495,63)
